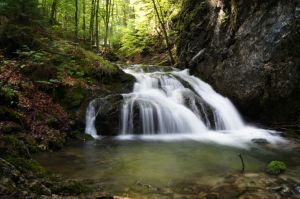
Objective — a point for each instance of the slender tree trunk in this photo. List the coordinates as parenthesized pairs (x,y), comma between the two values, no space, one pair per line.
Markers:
(92,23)
(97,25)
(164,31)
(53,12)
(83,18)
(107,16)
(112,22)
(76,19)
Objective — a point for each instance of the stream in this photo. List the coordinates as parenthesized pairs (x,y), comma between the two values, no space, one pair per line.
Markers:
(177,137)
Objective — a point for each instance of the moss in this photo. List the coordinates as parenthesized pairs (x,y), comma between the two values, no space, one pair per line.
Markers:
(8,96)
(26,165)
(55,144)
(276,167)
(77,135)
(74,97)
(53,122)
(10,145)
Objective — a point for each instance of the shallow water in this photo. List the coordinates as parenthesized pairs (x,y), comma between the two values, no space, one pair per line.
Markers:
(124,164)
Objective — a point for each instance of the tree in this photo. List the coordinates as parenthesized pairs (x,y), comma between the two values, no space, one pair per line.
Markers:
(83,19)
(53,12)
(97,25)
(76,19)
(162,22)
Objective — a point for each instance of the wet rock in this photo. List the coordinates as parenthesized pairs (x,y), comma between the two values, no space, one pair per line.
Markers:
(259,141)
(286,191)
(259,195)
(297,189)
(39,188)
(228,191)
(212,196)
(108,111)
(250,54)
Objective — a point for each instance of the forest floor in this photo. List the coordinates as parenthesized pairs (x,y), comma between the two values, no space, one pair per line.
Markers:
(43,97)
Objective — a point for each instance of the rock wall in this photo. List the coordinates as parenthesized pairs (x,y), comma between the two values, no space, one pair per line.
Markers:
(248,50)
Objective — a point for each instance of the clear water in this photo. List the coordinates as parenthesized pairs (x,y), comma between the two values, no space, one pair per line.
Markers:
(122,165)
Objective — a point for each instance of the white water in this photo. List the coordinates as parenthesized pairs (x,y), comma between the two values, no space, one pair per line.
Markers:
(174,106)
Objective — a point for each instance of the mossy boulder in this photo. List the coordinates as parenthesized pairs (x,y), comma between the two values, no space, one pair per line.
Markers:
(77,135)
(11,146)
(74,97)
(276,167)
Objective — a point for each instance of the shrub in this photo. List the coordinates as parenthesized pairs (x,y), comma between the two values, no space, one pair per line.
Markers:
(276,167)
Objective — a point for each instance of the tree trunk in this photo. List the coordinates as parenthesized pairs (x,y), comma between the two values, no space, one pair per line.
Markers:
(76,19)
(107,16)
(97,25)
(53,12)
(92,23)
(164,31)
(83,18)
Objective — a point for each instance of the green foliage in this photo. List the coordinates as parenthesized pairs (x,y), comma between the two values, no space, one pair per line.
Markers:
(276,167)
(135,41)
(20,10)
(8,96)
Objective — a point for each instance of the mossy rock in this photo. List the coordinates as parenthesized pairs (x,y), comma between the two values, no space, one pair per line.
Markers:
(53,122)
(26,165)
(71,188)
(11,146)
(276,167)
(77,135)
(74,97)
(55,144)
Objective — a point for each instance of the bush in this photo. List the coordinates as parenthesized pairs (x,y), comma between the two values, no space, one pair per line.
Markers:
(276,167)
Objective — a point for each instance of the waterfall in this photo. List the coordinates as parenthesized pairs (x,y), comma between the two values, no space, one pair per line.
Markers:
(176,104)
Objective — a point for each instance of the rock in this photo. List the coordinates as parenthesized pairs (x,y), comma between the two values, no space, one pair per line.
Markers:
(286,191)
(250,53)
(212,196)
(297,189)
(259,195)
(259,141)
(108,118)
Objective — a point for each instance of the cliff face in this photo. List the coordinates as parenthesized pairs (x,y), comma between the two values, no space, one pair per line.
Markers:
(248,50)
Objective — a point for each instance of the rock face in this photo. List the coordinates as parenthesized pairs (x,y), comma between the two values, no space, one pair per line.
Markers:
(248,50)
(108,114)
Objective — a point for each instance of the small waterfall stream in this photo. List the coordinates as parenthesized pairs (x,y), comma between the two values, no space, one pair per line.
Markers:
(176,105)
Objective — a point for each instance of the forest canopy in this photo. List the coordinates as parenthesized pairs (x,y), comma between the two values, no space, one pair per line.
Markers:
(126,27)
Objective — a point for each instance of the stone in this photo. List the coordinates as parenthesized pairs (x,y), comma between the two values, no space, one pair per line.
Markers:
(259,141)
(253,58)
(297,189)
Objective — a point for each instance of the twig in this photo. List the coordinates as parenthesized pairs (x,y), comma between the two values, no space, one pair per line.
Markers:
(243,164)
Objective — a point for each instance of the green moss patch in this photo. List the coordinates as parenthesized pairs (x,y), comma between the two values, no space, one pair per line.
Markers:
(276,167)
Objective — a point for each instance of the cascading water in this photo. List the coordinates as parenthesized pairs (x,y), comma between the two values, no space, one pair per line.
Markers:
(176,105)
